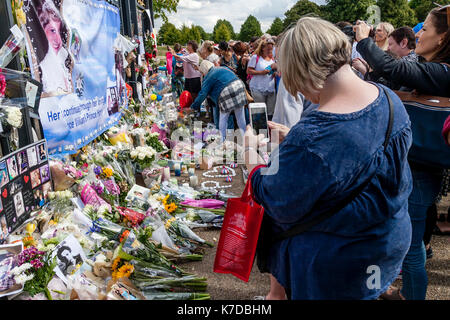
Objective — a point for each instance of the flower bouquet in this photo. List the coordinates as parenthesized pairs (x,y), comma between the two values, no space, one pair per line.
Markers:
(11,116)
(109,229)
(143,157)
(35,270)
(132,249)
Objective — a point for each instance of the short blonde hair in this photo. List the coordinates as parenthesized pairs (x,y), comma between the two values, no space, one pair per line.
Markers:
(310,52)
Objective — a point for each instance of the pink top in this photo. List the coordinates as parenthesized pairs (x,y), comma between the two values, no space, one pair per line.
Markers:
(446,129)
(188,61)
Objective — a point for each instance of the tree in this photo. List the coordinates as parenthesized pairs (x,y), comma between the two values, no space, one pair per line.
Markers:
(222,33)
(397,12)
(423,7)
(185,34)
(250,28)
(194,34)
(347,10)
(163,7)
(301,8)
(203,34)
(276,28)
(169,34)
(228,26)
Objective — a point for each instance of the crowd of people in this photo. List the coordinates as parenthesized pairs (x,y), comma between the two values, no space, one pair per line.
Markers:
(343,153)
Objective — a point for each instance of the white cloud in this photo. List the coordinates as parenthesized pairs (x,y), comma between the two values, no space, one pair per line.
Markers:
(205,13)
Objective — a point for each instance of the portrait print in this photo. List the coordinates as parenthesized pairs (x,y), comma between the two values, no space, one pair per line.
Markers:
(35,178)
(32,157)
(41,152)
(45,173)
(19,204)
(12,167)
(22,161)
(4,178)
(46,27)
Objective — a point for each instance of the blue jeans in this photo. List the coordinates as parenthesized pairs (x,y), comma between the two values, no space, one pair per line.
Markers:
(216,117)
(426,187)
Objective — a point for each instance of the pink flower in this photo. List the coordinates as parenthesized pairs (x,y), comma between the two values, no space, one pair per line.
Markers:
(36,263)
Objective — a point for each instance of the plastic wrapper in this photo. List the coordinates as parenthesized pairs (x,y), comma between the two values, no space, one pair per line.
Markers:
(84,288)
(90,196)
(12,46)
(204,203)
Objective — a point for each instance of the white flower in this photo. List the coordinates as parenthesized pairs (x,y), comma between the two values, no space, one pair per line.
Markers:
(141,156)
(21,269)
(69,194)
(22,278)
(102,210)
(133,154)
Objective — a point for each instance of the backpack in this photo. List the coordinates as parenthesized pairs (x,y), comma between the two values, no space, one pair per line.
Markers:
(427,115)
(178,69)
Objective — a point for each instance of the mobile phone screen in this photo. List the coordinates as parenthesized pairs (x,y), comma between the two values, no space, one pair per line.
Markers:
(258,116)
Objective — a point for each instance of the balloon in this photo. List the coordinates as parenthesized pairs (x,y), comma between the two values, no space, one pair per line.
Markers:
(185,99)
(153,97)
(159,97)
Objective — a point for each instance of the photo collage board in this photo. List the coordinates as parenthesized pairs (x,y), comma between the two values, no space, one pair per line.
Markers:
(24,185)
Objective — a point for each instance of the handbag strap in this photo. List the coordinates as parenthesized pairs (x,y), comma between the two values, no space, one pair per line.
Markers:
(303,227)
(248,192)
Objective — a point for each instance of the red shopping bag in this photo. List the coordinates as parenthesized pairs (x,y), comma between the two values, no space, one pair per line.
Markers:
(239,236)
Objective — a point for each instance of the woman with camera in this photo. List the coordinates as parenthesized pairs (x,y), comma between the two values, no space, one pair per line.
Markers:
(430,76)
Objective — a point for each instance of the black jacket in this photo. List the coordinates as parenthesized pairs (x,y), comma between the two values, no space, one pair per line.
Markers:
(427,78)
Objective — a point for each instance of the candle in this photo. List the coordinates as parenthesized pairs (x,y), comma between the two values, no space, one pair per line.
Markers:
(191,172)
(193,181)
(166,174)
(177,169)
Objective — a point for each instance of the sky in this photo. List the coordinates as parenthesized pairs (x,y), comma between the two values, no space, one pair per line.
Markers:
(205,13)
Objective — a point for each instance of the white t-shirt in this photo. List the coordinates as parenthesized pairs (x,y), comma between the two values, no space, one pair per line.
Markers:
(288,111)
(262,83)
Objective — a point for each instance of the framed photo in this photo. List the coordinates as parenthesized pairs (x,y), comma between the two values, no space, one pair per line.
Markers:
(39,199)
(22,161)
(35,178)
(32,157)
(12,167)
(3,228)
(41,152)
(19,204)
(45,173)
(46,188)
(4,177)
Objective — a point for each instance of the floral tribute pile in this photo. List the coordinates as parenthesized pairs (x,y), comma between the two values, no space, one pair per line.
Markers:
(118,223)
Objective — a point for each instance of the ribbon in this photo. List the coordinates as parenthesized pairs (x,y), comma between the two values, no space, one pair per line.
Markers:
(95,226)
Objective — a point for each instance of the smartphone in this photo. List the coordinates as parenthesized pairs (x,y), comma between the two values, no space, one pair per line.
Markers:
(258,118)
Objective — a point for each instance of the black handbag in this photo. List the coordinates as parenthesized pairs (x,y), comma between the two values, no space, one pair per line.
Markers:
(267,239)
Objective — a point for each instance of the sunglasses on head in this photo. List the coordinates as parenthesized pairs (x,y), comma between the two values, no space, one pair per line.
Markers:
(447,8)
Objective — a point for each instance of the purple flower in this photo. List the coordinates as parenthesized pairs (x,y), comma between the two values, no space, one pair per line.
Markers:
(98,170)
(97,188)
(36,263)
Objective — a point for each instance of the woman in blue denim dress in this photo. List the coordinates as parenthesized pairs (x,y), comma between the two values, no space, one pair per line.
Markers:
(337,147)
